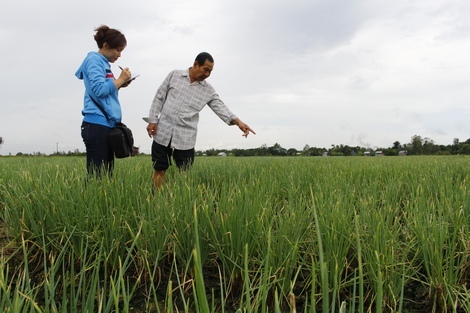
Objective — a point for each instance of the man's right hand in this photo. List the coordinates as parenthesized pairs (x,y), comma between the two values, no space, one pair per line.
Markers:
(151,129)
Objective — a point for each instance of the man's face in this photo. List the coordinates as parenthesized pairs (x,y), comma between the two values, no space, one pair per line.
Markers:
(202,72)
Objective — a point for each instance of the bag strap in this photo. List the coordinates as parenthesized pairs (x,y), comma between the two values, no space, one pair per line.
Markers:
(99,107)
(104,112)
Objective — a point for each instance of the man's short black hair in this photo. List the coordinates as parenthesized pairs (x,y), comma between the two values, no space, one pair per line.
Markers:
(202,57)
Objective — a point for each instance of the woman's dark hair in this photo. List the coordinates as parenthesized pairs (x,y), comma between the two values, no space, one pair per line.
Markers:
(202,57)
(113,37)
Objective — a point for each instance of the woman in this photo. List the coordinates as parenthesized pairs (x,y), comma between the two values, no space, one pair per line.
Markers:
(101,88)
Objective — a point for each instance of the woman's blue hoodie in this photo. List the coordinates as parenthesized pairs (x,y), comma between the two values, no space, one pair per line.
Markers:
(99,84)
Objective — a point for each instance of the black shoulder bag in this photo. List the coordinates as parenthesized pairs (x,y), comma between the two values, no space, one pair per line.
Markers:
(120,137)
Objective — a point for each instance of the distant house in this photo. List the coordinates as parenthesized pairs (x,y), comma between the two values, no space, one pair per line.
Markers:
(366,153)
(222,154)
(402,153)
(379,153)
(135,150)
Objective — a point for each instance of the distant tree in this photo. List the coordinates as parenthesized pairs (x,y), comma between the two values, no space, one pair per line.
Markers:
(211,152)
(239,152)
(263,150)
(312,151)
(347,150)
(292,151)
(429,147)
(465,148)
(277,150)
(390,152)
(1,141)
(416,145)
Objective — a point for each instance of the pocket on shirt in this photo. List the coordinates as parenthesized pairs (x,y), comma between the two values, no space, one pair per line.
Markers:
(196,104)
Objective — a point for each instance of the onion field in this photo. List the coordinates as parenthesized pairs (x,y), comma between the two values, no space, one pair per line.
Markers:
(255,234)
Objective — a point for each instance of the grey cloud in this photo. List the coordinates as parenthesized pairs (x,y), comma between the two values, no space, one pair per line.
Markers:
(301,27)
(294,70)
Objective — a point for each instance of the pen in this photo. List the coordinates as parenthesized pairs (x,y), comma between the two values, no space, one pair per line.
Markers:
(121,68)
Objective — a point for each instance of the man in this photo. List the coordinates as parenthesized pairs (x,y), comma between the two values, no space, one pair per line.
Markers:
(174,115)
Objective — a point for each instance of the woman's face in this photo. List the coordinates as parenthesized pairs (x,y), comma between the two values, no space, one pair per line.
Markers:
(112,54)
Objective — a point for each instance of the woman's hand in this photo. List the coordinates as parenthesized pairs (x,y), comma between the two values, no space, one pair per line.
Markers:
(124,78)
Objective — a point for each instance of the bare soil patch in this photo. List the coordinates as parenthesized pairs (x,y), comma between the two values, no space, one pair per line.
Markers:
(6,243)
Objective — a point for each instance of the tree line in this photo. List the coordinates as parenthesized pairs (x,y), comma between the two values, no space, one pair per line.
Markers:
(417,146)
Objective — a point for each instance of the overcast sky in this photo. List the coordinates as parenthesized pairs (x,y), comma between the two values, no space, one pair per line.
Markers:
(319,72)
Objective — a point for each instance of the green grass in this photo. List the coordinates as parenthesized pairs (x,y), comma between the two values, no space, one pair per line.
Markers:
(335,234)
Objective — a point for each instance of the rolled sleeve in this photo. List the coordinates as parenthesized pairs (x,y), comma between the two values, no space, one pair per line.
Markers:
(221,110)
